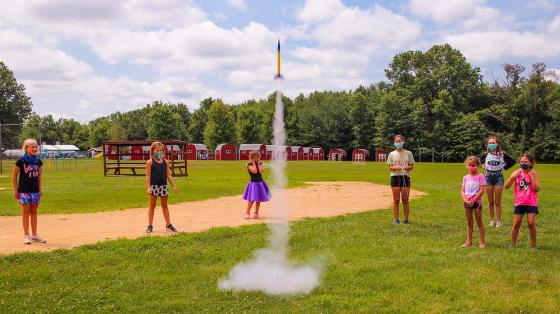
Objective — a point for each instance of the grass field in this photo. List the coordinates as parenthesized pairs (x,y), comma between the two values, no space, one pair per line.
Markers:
(371,266)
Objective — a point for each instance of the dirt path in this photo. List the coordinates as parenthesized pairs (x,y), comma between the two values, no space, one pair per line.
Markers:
(318,199)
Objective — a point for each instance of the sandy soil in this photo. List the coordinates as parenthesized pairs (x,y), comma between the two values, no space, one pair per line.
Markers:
(317,199)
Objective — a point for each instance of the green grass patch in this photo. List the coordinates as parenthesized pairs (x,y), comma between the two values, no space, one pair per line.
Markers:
(372,265)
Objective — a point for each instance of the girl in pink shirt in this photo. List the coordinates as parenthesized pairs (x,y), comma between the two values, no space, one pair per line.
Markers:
(526,201)
(471,192)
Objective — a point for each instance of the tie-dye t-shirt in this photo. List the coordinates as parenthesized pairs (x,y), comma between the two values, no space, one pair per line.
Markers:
(473,184)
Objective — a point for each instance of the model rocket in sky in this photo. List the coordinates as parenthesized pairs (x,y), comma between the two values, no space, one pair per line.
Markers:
(278,76)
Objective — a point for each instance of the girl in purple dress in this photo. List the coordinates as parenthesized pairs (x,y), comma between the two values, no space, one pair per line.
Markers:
(256,191)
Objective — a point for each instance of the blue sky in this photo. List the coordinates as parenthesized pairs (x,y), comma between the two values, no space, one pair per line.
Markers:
(84,59)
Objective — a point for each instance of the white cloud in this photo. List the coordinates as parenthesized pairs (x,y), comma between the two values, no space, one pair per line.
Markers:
(240,4)
(315,11)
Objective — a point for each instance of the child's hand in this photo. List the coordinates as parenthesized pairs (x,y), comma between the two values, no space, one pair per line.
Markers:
(516,173)
(175,189)
(149,191)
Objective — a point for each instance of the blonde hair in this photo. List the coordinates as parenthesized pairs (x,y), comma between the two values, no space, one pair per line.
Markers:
(28,142)
(254,153)
(473,159)
(154,146)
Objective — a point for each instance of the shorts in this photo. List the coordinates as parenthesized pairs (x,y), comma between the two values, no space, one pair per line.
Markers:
(494,178)
(400,181)
(525,209)
(29,198)
(475,206)
(159,190)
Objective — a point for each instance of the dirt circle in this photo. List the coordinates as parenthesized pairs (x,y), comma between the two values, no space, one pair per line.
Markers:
(316,199)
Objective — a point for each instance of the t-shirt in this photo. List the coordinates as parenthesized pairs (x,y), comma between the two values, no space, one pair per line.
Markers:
(472,184)
(255,177)
(28,175)
(402,159)
(524,193)
(496,162)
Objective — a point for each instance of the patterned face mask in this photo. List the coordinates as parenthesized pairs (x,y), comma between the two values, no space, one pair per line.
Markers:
(158,155)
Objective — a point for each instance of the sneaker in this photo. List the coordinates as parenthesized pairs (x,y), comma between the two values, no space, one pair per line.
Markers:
(170,228)
(27,239)
(256,216)
(492,223)
(466,244)
(534,246)
(405,222)
(512,246)
(482,245)
(149,229)
(246,216)
(396,222)
(37,239)
(498,224)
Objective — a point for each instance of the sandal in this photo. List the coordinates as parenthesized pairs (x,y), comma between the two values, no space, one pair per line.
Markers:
(256,216)
(247,216)
(467,244)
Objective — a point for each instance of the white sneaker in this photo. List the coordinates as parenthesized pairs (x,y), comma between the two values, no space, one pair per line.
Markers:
(37,238)
(498,224)
(492,223)
(27,239)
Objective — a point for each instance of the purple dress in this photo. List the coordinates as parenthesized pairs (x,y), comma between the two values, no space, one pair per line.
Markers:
(256,190)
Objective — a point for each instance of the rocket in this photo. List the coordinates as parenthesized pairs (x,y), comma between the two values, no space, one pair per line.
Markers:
(278,76)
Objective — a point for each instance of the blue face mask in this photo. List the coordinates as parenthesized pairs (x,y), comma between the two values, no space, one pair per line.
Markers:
(158,155)
(399,145)
(525,166)
(492,147)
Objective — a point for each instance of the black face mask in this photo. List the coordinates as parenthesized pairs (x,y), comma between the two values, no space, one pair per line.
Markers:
(525,166)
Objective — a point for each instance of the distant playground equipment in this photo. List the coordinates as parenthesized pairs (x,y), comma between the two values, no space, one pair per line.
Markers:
(122,158)
(60,157)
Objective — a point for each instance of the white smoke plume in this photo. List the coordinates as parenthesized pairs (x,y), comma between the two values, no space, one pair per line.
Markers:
(270,271)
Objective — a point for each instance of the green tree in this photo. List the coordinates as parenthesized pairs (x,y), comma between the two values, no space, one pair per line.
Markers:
(99,131)
(165,123)
(198,121)
(220,127)
(15,107)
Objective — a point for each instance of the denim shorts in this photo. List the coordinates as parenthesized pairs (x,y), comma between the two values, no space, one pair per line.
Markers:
(475,206)
(494,178)
(525,209)
(29,198)
(400,181)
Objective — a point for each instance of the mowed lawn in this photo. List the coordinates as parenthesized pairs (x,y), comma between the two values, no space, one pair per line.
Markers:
(370,264)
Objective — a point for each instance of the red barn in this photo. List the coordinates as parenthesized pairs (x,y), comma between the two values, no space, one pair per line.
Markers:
(337,154)
(226,152)
(360,155)
(307,153)
(297,153)
(317,153)
(285,152)
(380,155)
(245,149)
(196,152)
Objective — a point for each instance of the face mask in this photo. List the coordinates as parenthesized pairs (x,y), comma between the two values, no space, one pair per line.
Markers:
(399,145)
(492,147)
(472,169)
(158,155)
(525,166)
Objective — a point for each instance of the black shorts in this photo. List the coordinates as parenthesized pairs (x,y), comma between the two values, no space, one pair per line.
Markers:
(400,181)
(525,209)
(475,206)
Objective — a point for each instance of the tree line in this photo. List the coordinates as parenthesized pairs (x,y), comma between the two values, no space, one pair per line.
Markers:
(434,98)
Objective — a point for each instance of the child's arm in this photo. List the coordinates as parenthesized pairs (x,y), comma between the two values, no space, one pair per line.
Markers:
(252,168)
(261,167)
(40,177)
(535,180)
(15,174)
(148,174)
(512,178)
(465,200)
(170,177)
(478,195)
(510,162)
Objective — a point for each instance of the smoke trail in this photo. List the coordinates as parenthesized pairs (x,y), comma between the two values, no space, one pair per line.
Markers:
(270,271)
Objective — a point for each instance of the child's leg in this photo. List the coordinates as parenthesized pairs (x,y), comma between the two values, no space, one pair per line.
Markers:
(517,220)
(478,217)
(531,223)
(405,191)
(165,209)
(257,206)
(151,209)
(490,194)
(498,201)
(469,215)
(33,215)
(396,201)
(25,212)
(249,205)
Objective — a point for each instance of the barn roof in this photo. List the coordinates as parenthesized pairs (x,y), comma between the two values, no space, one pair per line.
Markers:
(316,149)
(295,147)
(306,149)
(221,145)
(250,146)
